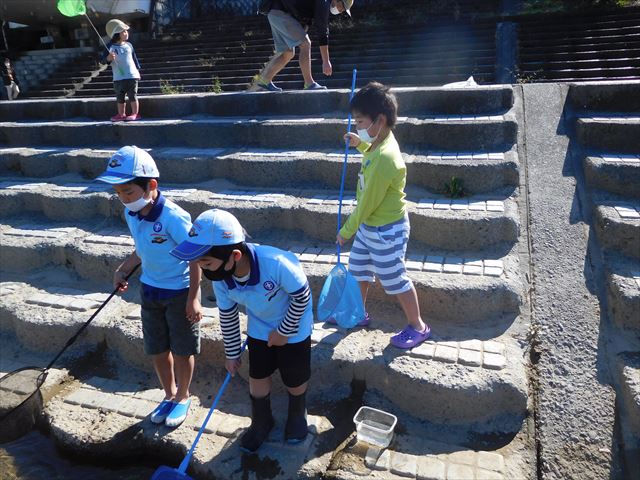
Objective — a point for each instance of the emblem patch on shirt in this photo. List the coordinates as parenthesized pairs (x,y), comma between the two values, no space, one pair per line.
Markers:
(269,285)
(157,227)
(159,239)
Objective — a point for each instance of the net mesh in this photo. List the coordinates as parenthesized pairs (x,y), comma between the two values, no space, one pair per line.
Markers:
(340,299)
(17,387)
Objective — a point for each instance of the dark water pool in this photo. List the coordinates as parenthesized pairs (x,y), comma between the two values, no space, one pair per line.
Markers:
(35,457)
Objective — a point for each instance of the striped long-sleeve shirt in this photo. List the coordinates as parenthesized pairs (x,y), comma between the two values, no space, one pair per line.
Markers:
(289,327)
(276,296)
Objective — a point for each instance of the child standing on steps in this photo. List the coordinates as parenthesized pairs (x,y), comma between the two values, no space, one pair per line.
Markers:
(170,287)
(380,222)
(125,68)
(271,284)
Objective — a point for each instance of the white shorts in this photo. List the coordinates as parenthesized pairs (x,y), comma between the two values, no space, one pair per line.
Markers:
(379,252)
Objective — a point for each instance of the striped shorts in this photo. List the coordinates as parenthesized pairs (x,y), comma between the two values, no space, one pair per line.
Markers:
(379,252)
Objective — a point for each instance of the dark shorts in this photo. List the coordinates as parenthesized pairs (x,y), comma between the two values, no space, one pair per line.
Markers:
(293,360)
(165,326)
(128,87)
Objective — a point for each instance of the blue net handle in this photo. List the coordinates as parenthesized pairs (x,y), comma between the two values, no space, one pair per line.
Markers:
(185,462)
(344,164)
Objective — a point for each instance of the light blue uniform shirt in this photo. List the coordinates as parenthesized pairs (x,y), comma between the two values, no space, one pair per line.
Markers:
(275,276)
(155,235)
(124,66)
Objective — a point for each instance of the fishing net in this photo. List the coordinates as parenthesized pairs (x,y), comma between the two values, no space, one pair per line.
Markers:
(340,298)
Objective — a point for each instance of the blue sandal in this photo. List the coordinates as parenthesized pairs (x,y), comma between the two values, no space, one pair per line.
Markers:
(178,414)
(161,411)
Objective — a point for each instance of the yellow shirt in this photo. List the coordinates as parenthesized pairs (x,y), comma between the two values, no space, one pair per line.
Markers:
(380,193)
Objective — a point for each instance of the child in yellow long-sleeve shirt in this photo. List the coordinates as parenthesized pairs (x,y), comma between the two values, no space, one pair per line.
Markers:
(380,222)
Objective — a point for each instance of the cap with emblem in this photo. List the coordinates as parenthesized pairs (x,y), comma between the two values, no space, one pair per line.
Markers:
(128,163)
(212,228)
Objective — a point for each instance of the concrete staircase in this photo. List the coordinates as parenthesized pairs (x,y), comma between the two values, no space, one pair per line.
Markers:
(35,67)
(274,161)
(577,47)
(208,55)
(607,122)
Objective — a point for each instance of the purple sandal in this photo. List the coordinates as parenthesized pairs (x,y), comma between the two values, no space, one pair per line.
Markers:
(409,337)
(362,323)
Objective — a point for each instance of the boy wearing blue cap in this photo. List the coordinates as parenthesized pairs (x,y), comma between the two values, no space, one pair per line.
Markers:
(271,284)
(170,287)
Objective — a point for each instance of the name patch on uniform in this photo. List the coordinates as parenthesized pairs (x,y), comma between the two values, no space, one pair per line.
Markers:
(269,285)
(157,227)
(159,239)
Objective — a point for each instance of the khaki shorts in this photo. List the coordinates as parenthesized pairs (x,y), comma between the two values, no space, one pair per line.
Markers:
(287,32)
(165,326)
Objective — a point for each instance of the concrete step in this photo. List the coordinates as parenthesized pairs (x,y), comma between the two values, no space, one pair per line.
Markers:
(609,133)
(623,292)
(339,53)
(480,172)
(126,401)
(570,73)
(593,78)
(628,379)
(337,79)
(339,36)
(445,374)
(450,284)
(529,56)
(199,68)
(191,72)
(585,47)
(617,224)
(458,133)
(263,40)
(414,100)
(471,223)
(242,84)
(346,60)
(614,173)
(218,455)
(423,451)
(576,64)
(572,43)
(573,22)
(607,97)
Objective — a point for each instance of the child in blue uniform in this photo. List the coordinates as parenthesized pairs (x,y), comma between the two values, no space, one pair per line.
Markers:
(271,284)
(170,287)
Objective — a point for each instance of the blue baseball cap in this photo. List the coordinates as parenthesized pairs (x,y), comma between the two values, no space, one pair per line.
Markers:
(212,228)
(128,163)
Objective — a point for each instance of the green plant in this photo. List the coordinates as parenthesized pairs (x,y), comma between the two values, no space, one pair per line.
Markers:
(216,85)
(168,89)
(455,188)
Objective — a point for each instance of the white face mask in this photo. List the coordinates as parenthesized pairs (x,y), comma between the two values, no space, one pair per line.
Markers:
(364,133)
(137,205)
(334,11)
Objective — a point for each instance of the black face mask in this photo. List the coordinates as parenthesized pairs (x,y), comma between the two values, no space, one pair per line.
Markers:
(219,273)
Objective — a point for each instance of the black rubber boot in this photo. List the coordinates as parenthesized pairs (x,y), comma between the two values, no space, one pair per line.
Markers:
(261,424)
(296,429)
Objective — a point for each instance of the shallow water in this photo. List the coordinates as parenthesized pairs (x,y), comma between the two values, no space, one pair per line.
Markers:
(34,457)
